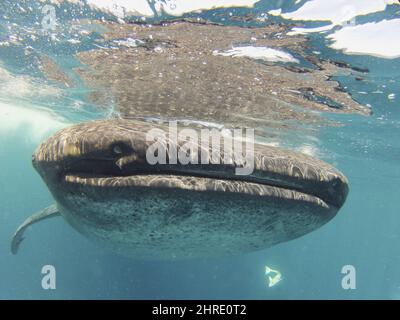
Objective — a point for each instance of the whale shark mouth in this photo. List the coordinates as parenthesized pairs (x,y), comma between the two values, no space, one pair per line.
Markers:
(85,155)
(196,184)
(210,180)
(281,171)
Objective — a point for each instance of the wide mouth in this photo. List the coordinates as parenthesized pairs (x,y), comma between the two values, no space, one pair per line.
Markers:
(196,183)
(75,156)
(275,168)
(206,178)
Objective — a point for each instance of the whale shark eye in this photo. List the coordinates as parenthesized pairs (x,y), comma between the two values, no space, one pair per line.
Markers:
(120,148)
(117,149)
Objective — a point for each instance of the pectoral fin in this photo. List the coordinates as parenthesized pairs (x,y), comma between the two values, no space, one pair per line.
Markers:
(49,212)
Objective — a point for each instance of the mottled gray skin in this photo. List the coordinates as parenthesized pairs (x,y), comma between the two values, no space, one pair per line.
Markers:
(182,211)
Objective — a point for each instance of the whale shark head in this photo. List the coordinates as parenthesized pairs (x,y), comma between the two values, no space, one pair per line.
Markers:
(100,176)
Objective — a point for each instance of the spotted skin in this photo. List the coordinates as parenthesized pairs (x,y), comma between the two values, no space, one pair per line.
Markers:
(175,211)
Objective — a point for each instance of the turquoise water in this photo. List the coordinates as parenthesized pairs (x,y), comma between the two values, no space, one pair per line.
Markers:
(364,234)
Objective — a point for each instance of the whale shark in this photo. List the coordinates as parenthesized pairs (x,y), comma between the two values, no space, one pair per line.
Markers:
(104,186)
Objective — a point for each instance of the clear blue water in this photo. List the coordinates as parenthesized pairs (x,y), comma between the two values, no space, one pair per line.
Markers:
(364,234)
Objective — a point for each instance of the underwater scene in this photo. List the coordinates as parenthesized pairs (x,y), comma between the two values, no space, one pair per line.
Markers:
(187,149)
